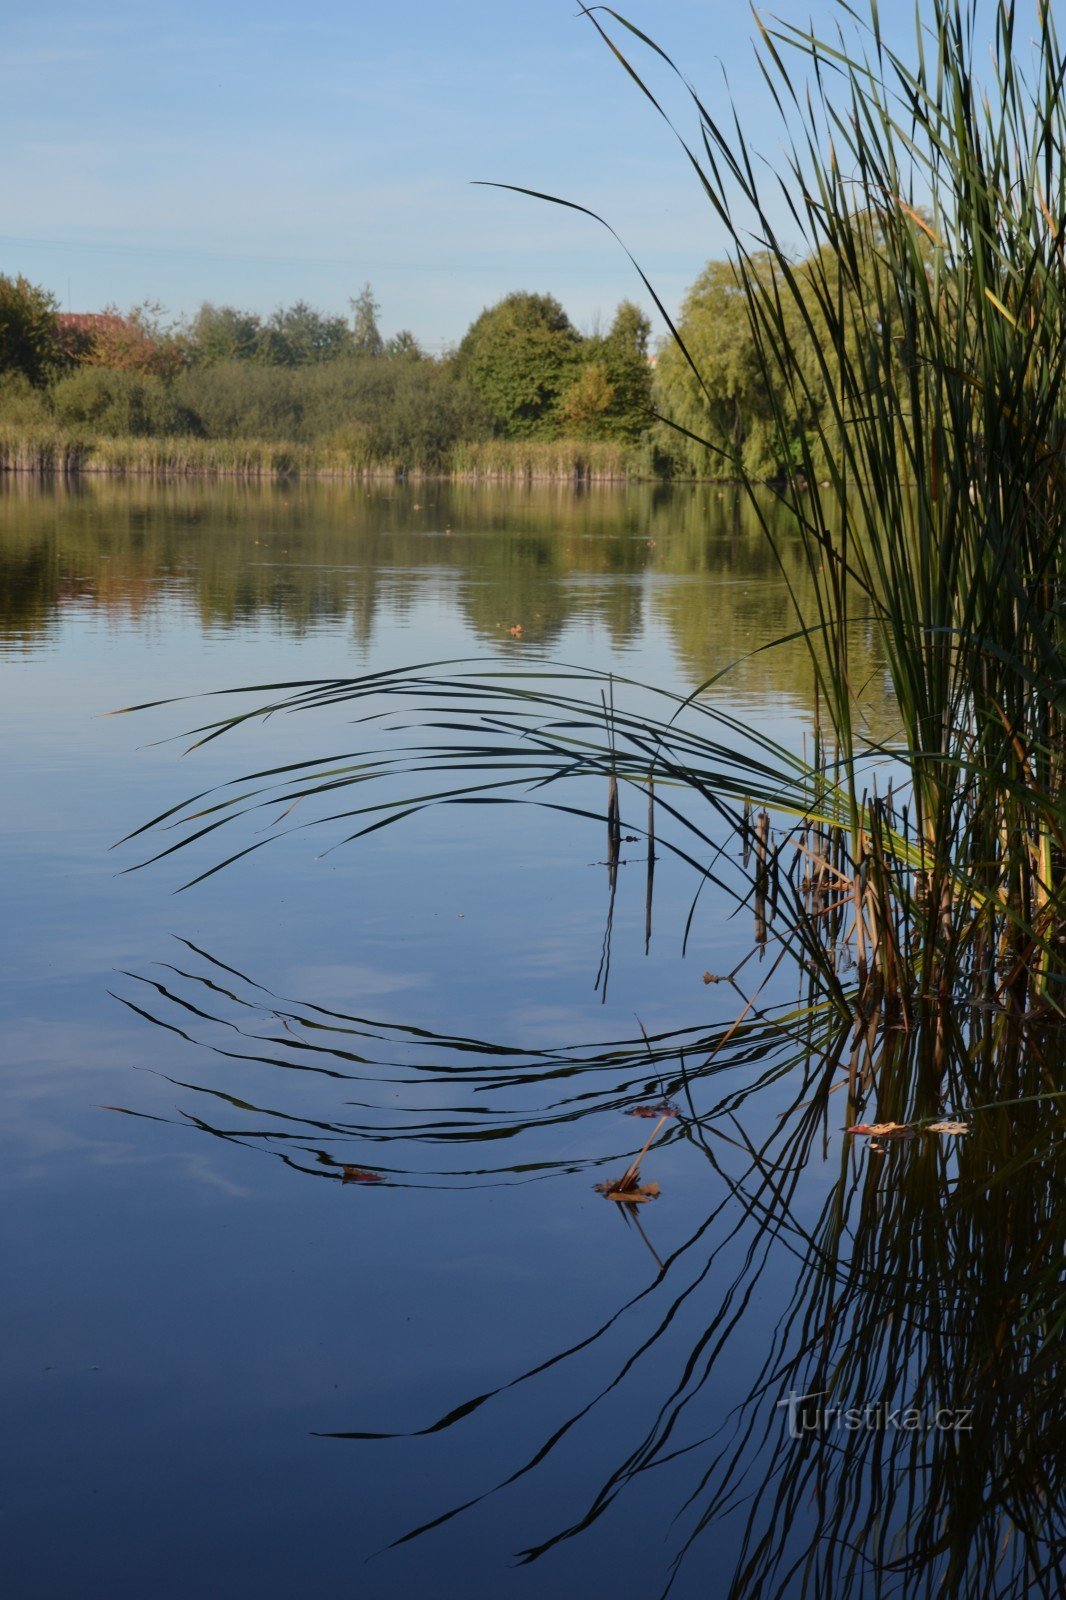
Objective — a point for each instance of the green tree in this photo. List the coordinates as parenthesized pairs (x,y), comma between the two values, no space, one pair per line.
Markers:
(222,333)
(246,399)
(29,330)
(404,343)
(121,402)
(732,410)
(629,372)
(767,433)
(519,356)
(585,404)
(366,335)
(298,335)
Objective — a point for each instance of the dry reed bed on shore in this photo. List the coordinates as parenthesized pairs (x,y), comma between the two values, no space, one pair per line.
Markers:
(58,452)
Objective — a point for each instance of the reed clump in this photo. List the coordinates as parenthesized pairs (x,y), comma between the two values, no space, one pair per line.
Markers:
(49,450)
(925,412)
(547,460)
(43,451)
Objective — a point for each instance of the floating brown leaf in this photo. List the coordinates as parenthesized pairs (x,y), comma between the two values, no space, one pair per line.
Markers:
(357,1175)
(629,1196)
(906,1130)
(663,1110)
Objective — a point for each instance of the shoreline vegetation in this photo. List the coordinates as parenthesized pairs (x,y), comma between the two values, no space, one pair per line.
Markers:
(524,396)
(57,453)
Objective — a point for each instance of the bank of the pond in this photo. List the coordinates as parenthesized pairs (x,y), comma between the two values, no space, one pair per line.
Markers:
(62,452)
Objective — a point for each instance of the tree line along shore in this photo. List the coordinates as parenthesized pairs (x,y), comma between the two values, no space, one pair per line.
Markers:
(524,395)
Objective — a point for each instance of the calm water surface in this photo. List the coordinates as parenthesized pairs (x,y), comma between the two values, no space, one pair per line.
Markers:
(194,1294)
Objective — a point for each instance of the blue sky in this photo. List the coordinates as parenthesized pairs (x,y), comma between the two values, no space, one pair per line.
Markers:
(256,154)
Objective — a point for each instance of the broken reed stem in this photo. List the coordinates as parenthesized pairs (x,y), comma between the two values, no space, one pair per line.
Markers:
(650,879)
(614,829)
(632,1172)
(762,873)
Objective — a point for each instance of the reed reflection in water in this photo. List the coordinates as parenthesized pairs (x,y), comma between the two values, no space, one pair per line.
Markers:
(901,1429)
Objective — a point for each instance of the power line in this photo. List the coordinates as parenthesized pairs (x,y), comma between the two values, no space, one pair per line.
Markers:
(208,255)
(428,267)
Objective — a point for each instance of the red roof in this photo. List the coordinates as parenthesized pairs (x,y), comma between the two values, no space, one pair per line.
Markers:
(91,321)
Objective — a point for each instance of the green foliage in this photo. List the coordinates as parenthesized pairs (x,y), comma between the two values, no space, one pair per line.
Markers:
(298,335)
(23,404)
(222,333)
(404,343)
(242,400)
(119,403)
(519,356)
(411,412)
(585,404)
(294,336)
(408,412)
(610,395)
(303,376)
(29,330)
(523,372)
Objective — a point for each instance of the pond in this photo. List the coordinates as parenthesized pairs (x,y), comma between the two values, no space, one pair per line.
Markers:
(309,1150)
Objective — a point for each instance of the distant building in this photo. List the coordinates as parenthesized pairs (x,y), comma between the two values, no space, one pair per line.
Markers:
(92,322)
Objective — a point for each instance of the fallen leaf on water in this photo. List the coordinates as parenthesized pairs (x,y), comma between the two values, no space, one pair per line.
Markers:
(663,1110)
(711,977)
(906,1130)
(516,630)
(629,1197)
(883,1130)
(357,1175)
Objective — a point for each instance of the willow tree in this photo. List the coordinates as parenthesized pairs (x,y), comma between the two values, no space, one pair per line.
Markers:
(715,400)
